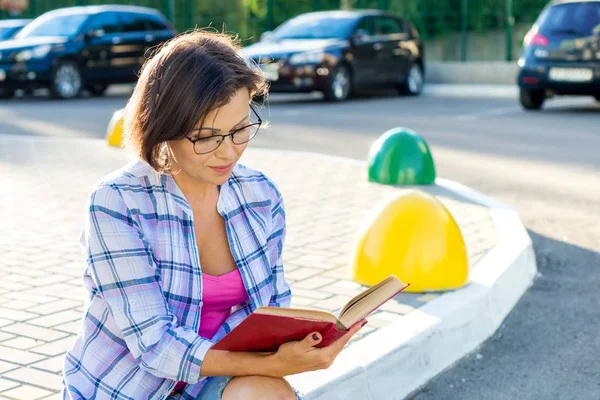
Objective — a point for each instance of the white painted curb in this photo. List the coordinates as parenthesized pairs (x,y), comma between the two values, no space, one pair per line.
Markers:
(398,359)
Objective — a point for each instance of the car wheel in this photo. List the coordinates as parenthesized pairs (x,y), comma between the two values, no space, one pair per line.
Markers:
(413,85)
(97,89)
(66,80)
(340,84)
(7,93)
(532,99)
(597,97)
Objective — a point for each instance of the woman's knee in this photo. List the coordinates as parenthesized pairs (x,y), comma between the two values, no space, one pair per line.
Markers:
(258,387)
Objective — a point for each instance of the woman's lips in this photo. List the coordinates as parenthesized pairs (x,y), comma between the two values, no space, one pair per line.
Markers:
(222,169)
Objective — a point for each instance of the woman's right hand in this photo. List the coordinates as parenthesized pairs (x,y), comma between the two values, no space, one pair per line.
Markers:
(301,356)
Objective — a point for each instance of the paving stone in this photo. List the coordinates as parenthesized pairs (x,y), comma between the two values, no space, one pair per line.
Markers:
(313,294)
(34,332)
(15,315)
(314,282)
(53,307)
(26,392)
(18,304)
(16,356)
(56,347)
(6,384)
(35,377)
(53,364)
(6,366)
(302,273)
(5,336)
(71,327)
(58,318)
(298,301)
(30,297)
(21,343)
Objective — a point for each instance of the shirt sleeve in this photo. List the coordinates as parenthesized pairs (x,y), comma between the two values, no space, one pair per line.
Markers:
(122,267)
(282,294)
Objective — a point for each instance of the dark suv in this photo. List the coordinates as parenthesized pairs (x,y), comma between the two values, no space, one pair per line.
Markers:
(562,53)
(71,49)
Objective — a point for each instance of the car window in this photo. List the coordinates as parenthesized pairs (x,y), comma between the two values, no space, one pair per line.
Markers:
(387,26)
(366,26)
(133,22)
(309,26)
(5,33)
(571,18)
(53,24)
(154,23)
(108,22)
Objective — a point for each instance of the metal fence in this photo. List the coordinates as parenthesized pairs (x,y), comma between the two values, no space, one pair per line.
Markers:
(454,30)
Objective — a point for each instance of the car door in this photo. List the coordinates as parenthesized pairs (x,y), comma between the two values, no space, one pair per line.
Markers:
(365,52)
(129,54)
(392,37)
(100,34)
(157,31)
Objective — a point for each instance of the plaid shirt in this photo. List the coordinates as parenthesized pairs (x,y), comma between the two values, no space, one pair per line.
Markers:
(139,334)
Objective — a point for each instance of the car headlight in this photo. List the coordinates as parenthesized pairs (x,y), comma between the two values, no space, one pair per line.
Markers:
(307,58)
(36,52)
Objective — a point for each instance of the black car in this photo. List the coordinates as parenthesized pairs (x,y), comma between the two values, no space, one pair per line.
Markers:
(10,27)
(71,49)
(336,52)
(562,53)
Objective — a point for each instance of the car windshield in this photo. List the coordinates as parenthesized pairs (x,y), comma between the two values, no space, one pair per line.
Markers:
(5,33)
(53,25)
(313,27)
(577,19)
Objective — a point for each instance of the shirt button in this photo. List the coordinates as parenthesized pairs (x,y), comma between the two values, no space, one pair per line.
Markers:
(132,302)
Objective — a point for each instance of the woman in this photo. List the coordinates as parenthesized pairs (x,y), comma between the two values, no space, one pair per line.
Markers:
(185,243)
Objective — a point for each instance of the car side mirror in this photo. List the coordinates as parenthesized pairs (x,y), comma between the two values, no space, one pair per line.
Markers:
(96,33)
(264,37)
(359,36)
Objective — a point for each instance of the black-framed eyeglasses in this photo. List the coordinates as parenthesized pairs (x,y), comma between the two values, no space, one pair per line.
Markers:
(205,145)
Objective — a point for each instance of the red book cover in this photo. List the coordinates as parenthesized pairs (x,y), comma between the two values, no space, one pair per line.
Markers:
(262,332)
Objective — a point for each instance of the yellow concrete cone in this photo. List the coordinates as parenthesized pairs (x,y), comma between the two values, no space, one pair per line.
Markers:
(414,237)
(114,131)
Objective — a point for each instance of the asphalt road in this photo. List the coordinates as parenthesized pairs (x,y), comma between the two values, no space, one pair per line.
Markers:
(545,164)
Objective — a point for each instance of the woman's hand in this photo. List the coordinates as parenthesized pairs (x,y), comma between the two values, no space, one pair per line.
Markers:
(301,356)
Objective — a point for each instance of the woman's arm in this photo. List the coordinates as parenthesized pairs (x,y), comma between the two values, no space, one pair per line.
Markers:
(123,269)
(281,293)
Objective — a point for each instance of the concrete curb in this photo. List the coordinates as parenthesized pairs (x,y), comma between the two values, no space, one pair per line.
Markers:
(397,360)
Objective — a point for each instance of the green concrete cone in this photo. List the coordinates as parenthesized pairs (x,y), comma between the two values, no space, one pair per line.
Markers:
(401,157)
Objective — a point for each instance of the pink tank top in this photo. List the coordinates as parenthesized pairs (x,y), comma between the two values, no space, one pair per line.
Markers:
(219,295)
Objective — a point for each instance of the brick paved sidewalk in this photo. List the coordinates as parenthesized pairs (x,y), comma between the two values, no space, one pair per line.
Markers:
(44,184)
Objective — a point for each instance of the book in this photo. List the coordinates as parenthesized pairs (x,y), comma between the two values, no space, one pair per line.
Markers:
(267,328)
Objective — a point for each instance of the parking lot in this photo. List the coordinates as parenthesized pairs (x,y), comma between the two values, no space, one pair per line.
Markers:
(545,164)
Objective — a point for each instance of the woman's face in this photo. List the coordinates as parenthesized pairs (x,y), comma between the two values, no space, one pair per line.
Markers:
(214,167)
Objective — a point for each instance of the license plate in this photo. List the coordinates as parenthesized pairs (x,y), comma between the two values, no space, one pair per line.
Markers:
(571,74)
(2,74)
(271,71)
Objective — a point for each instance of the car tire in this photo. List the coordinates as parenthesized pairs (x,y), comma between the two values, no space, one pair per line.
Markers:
(597,97)
(340,84)
(532,99)
(413,85)
(7,93)
(97,89)
(66,82)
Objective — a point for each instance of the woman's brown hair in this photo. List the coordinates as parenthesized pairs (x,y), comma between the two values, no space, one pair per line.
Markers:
(179,85)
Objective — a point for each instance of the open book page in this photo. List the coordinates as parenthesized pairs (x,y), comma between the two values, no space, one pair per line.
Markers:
(364,303)
(299,313)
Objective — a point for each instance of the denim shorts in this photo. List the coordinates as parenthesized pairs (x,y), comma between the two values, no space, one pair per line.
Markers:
(214,388)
